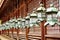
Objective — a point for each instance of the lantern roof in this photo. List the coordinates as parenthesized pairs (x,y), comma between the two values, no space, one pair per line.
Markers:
(23,19)
(58,14)
(2,28)
(41,8)
(52,9)
(4,24)
(10,20)
(7,23)
(19,19)
(27,17)
(33,14)
(50,23)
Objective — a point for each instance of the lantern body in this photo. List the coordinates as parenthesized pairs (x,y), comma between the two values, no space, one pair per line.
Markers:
(19,22)
(41,16)
(4,27)
(11,23)
(8,24)
(52,17)
(0,27)
(23,23)
(33,20)
(15,25)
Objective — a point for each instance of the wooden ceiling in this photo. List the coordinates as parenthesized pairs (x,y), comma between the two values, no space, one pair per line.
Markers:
(8,6)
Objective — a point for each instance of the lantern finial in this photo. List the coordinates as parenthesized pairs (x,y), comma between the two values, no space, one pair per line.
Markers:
(41,4)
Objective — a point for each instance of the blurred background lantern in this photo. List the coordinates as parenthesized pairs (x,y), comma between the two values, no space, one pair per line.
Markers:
(7,25)
(11,22)
(15,24)
(33,18)
(23,23)
(27,21)
(41,13)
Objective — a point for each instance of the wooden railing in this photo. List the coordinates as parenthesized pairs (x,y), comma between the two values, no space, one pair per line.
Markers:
(52,33)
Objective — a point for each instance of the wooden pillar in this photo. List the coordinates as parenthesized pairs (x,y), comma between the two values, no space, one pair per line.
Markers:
(8,31)
(27,31)
(0,24)
(5,32)
(45,31)
(42,30)
(18,33)
(12,31)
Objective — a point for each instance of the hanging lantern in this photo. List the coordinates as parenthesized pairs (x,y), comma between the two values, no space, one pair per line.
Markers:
(23,23)
(33,18)
(41,12)
(51,14)
(27,21)
(11,23)
(15,24)
(7,25)
(58,17)
(19,22)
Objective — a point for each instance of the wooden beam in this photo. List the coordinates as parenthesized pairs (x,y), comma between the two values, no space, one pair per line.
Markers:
(42,30)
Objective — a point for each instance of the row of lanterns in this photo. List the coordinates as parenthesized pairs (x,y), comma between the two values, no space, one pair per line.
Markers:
(50,15)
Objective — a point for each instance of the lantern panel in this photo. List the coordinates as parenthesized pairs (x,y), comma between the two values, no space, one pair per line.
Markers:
(27,23)
(33,20)
(49,17)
